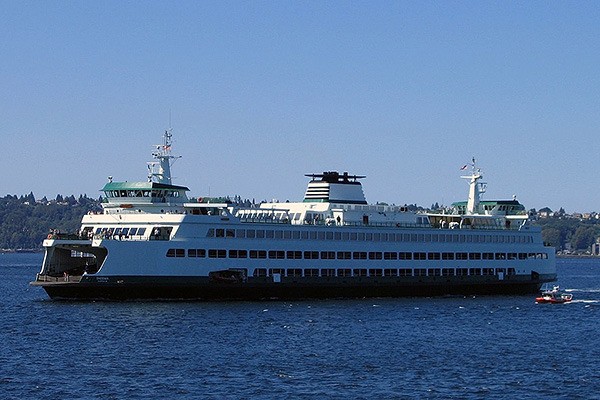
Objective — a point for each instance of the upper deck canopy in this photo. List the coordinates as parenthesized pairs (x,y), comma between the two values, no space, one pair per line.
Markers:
(140,186)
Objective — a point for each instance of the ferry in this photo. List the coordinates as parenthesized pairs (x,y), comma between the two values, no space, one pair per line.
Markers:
(152,241)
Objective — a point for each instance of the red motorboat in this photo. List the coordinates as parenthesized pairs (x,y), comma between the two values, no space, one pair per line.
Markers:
(554,296)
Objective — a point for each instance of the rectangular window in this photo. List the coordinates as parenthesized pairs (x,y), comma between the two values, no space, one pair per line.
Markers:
(488,256)
(390,255)
(328,255)
(311,255)
(405,256)
(462,271)
(500,256)
(433,256)
(462,256)
(250,233)
(359,255)
(217,253)
(260,272)
(258,254)
(294,272)
(311,272)
(375,272)
(328,272)
(344,255)
(434,272)
(375,255)
(447,272)
(474,271)
(294,255)
(447,256)
(474,256)
(360,272)
(419,256)
(420,272)
(344,272)
(279,271)
(405,272)
(277,254)
(240,233)
(238,254)
(390,272)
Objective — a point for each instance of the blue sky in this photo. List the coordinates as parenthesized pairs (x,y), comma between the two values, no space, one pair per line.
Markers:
(262,92)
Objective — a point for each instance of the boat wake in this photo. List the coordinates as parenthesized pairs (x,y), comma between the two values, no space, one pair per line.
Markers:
(582,290)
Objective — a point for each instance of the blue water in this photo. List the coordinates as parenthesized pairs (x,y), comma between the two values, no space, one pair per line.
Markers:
(438,348)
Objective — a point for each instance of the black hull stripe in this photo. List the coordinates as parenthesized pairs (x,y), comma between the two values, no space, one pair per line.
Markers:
(128,288)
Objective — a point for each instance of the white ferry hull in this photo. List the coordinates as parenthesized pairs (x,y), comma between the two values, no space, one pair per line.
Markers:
(157,269)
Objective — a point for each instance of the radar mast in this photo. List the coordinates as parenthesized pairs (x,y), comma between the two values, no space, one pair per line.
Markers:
(159,171)
(476,188)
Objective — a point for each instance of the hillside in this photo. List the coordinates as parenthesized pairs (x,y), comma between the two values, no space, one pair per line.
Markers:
(25,222)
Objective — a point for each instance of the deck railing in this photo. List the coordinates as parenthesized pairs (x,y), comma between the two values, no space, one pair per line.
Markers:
(58,279)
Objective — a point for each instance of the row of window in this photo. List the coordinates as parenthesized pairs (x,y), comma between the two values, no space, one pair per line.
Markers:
(374,272)
(121,231)
(142,193)
(367,236)
(350,255)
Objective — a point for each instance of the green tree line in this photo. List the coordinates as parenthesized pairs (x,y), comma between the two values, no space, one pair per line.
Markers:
(25,221)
